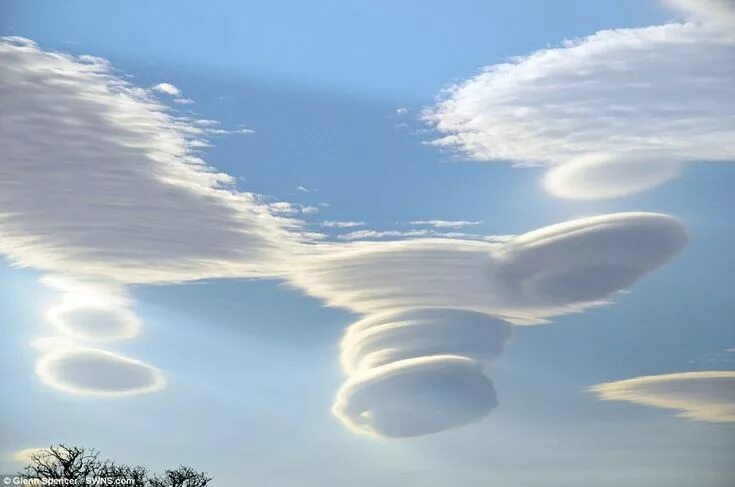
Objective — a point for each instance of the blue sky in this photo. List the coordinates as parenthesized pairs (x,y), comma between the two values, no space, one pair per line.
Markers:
(334,93)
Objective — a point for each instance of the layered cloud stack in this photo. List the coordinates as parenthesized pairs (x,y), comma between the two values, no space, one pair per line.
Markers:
(416,369)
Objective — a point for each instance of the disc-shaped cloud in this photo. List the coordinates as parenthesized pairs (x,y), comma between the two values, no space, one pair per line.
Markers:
(99,178)
(90,322)
(614,113)
(94,372)
(702,396)
(550,271)
(390,337)
(416,397)
(585,260)
(418,371)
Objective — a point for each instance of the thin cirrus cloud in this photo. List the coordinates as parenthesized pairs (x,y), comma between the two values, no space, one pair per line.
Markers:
(611,114)
(445,223)
(707,396)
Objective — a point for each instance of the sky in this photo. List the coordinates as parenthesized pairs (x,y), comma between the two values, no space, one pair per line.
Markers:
(371,243)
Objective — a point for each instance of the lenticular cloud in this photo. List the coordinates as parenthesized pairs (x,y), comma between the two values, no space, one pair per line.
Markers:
(612,114)
(419,371)
(439,311)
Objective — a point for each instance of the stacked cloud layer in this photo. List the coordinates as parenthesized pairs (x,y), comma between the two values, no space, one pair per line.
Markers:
(440,310)
(611,114)
(418,371)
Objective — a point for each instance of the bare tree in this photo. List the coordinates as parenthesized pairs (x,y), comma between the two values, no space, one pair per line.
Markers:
(181,477)
(79,464)
(64,462)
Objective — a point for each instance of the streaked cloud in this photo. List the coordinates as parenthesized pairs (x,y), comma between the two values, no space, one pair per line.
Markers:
(707,396)
(342,224)
(445,223)
(126,195)
(553,270)
(611,114)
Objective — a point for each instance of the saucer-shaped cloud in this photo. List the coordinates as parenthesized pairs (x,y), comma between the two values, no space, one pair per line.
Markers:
(418,371)
(702,396)
(94,322)
(92,372)
(91,309)
(100,178)
(416,397)
(554,270)
(390,337)
(614,113)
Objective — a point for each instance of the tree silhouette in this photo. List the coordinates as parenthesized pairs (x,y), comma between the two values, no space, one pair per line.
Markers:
(79,464)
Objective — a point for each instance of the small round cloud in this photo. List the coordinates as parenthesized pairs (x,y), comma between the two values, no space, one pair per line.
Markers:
(93,372)
(95,322)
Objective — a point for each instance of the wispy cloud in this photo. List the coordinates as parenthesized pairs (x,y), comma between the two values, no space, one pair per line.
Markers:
(342,224)
(445,223)
(707,396)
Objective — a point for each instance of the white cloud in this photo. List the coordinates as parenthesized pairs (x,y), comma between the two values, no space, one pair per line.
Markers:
(714,11)
(86,371)
(342,224)
(416,397)
(436,309)
(406,367)
(445,223)
(707,396)
(557,269)
(183,101)
(91,311)
(611,114)
(24,456)
(98,178)
(167,88)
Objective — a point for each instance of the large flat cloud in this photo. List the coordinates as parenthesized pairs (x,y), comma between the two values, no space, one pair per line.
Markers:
(100,178)
(554,270)
(611,114)
(707,396)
